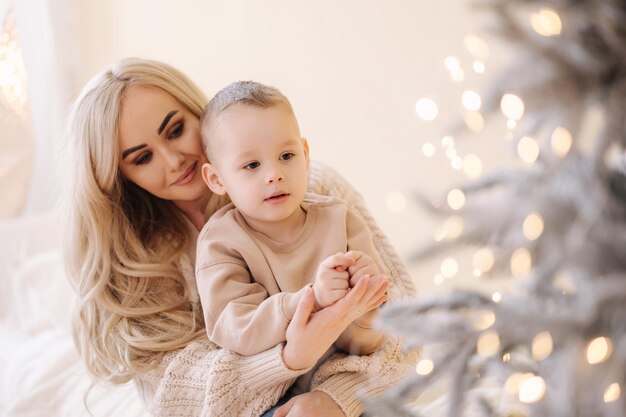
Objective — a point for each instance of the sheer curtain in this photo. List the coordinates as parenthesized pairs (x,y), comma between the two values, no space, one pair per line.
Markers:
(38,57)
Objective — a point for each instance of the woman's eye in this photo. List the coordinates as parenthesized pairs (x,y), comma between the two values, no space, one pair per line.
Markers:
(176,131)
(251,165)
(144,158)
(287,156)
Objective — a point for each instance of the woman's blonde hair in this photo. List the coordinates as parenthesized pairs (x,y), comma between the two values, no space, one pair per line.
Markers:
(124,245)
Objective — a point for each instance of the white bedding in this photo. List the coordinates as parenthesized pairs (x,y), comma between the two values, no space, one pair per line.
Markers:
(40,371)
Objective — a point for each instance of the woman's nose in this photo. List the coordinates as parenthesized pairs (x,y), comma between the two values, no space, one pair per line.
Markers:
(173,158)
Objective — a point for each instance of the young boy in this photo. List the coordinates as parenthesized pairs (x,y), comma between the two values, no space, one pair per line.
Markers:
(256,256)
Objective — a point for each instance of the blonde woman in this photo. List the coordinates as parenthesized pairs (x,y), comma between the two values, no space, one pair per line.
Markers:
(135,203)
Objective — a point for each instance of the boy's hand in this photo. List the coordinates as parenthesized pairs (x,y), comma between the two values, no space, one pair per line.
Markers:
(363,265)
(332,280)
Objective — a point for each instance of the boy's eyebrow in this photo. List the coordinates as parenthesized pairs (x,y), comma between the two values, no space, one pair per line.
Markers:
(166,120)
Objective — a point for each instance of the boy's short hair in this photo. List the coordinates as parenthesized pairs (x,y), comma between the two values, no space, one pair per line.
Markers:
(249,93)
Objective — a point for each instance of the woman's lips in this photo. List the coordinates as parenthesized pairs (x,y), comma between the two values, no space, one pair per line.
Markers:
(188,176)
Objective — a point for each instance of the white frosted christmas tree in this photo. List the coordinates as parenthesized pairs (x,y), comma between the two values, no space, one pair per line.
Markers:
(553,341)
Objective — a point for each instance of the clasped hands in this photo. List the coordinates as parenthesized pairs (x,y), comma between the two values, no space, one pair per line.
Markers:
(340,272)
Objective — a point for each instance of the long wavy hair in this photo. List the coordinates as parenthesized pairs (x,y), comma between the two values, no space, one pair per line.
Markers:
(124,246)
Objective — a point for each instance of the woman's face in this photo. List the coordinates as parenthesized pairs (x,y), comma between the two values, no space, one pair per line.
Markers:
(160,148)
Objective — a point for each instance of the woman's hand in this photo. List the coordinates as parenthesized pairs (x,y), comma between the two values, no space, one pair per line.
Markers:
(310,334)
(310,404)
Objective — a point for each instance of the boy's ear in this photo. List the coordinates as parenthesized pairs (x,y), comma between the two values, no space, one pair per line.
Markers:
(305,146)
(211,179)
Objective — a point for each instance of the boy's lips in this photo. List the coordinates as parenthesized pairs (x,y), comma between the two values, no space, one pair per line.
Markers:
(277,197)
(187,175)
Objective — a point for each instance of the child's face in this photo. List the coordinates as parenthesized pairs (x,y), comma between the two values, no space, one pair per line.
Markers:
(260,160)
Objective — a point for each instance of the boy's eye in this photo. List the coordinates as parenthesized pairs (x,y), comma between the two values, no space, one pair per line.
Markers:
(251,165)
(287,156)
(144,158)
(176,131)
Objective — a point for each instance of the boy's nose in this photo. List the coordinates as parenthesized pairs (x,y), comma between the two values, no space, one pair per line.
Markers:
(274,175)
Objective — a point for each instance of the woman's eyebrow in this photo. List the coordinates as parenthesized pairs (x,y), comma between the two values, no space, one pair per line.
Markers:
(133,149)
(166,120)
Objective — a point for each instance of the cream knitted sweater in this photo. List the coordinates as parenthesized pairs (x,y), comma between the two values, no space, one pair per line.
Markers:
(204,380)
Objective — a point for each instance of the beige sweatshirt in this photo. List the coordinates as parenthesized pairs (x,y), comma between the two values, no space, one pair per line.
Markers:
(204,380)
(245,279)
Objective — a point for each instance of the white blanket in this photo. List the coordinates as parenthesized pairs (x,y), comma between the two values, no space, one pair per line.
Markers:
(40,371)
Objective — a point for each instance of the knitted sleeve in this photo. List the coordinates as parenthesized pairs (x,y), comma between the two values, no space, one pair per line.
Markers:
(348,378)
(206,381)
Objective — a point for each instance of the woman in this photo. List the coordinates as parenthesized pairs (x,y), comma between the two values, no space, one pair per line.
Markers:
(136,201)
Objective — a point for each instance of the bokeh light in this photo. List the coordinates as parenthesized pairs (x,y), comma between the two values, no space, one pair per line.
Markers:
(426,109)
(533,226)
(488,344)
(598,350)
(449,267)
(428,149)
(474,121)
(424,367)
(471,100)
(456,199)
(546,22)
(512,106)
(612,393)
(528,149)
(472,166)
(521,262)
(532,390)
(561,142)
(483,260)
(396,202)
(542,346)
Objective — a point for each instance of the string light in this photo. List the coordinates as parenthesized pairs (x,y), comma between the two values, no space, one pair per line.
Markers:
(532,390)
(528,149)
(512,106)
(561,142)
(598,350)
(612,393)
(424,367)
(456,199)
(546,22)
(426,109)
(506,358)
(396,202)
(542,346)
(521,262)
(496,297)
(533,226)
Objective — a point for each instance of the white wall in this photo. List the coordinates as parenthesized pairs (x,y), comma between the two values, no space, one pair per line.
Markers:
(353,70)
